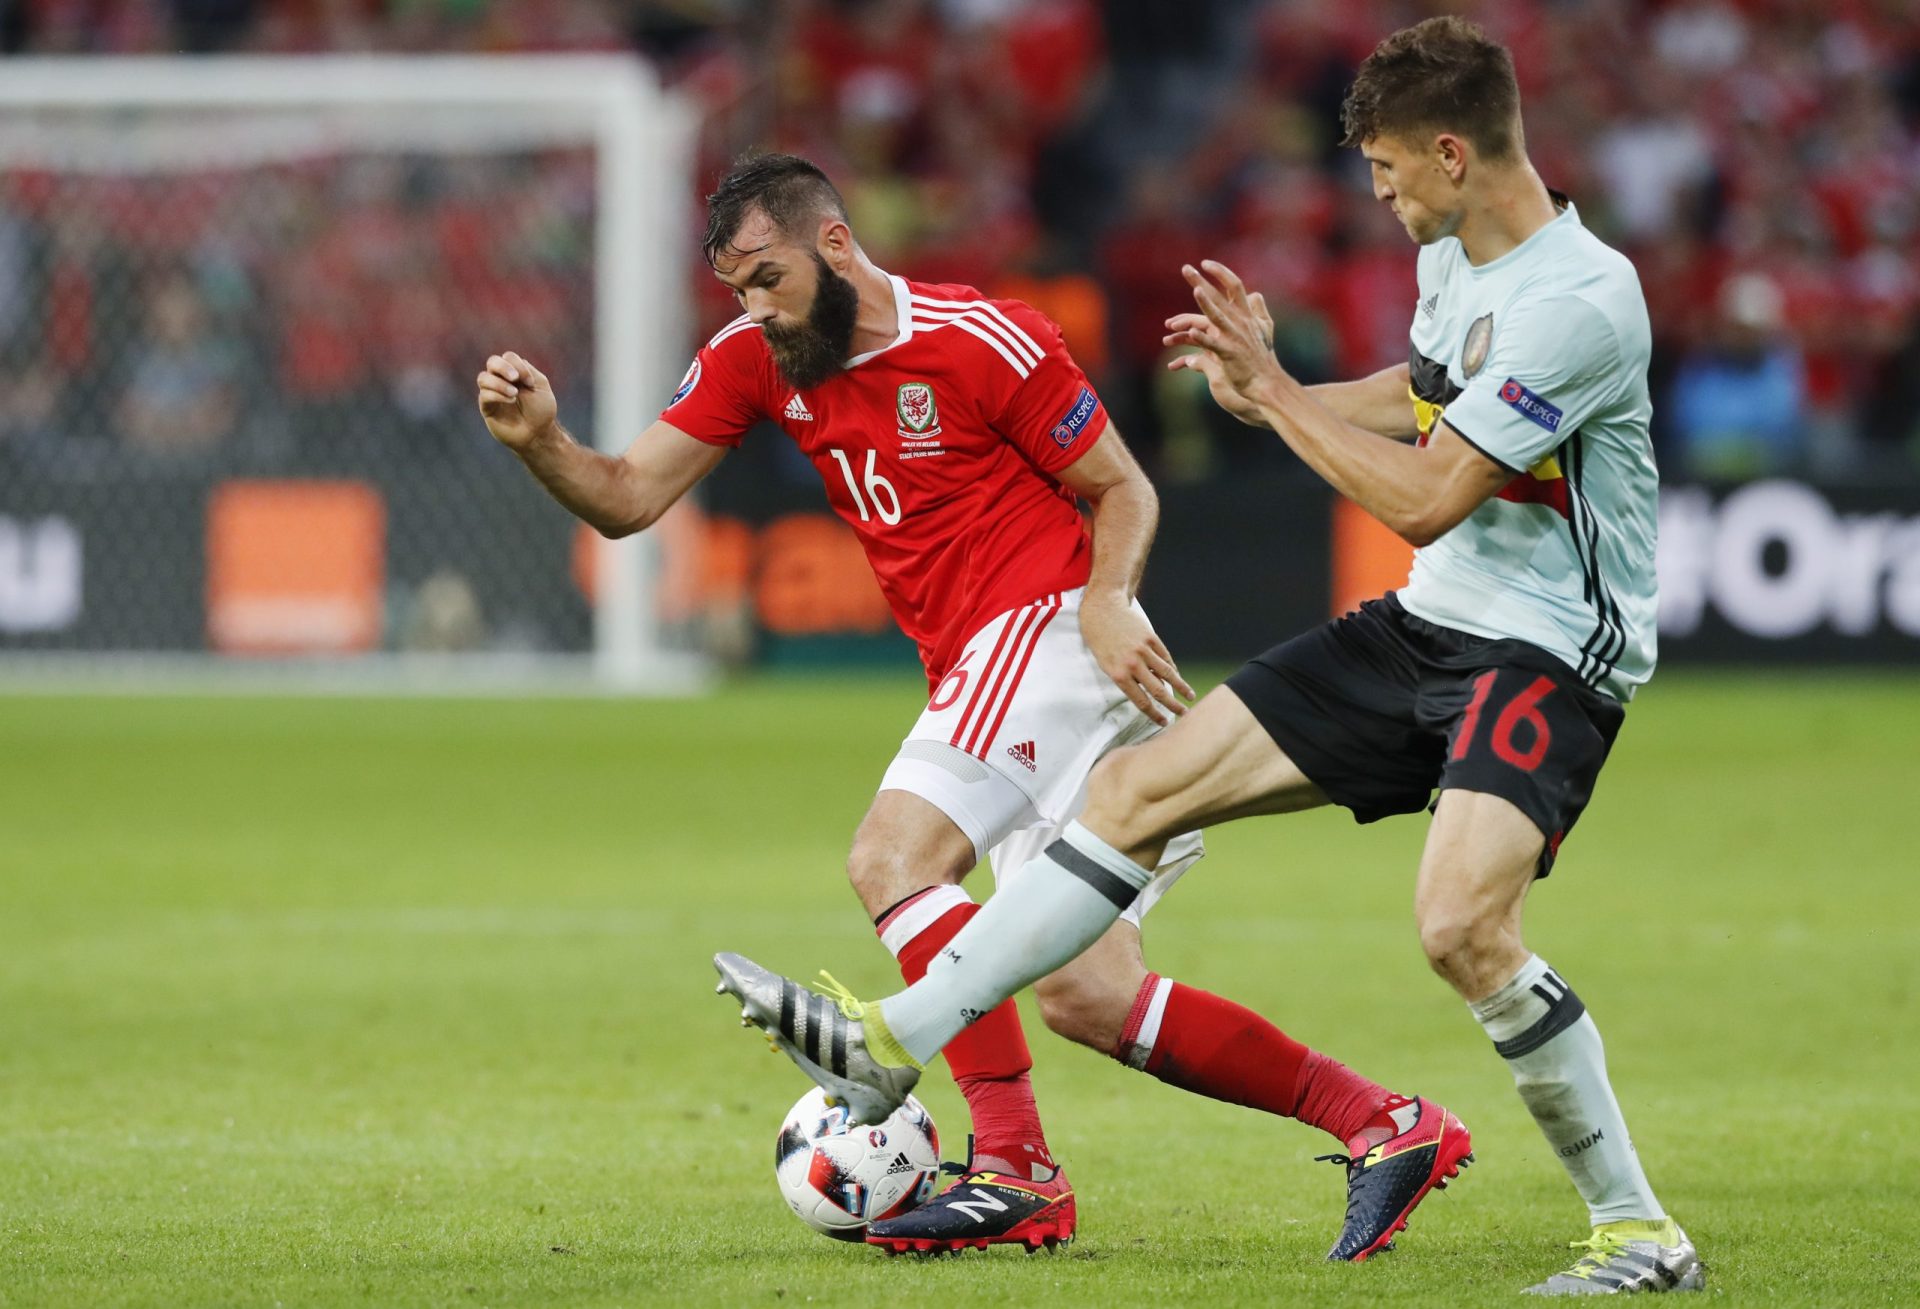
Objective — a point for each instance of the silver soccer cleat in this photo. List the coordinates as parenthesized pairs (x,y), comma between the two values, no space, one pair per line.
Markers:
(1630,1257)
(823,1034)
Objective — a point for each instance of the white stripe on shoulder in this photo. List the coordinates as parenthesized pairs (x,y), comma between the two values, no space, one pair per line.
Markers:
(972,326)
(976,315)
(737,326)
(992,310)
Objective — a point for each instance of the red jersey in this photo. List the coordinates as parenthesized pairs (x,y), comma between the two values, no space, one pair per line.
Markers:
(939,451)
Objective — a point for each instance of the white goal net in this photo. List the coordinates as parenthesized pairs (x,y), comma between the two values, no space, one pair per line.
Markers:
(242,302)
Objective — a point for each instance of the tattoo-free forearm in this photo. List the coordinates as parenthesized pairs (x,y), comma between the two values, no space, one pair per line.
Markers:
(1124,519)
(599,489)
(1378,403)
(1389,479)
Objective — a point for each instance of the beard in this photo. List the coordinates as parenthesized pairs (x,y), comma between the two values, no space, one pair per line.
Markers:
(814,351)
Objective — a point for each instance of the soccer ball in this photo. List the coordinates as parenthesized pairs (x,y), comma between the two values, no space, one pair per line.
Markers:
(837,1177)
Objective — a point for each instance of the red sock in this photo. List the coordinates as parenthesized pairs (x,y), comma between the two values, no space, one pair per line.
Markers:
(1214,1047)
(989,1060)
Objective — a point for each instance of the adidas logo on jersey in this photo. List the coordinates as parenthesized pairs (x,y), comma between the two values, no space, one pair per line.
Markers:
(797,409)
(1024,754)
(1430,304)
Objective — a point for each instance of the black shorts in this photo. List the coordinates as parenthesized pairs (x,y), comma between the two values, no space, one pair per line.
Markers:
(1380,708)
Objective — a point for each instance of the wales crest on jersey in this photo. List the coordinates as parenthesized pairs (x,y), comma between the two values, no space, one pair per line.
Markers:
(919,418)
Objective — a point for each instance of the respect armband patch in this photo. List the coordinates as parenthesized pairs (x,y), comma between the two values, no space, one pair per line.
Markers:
(1068,429)
(1531,406)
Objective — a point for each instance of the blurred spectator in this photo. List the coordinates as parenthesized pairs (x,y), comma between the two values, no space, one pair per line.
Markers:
(1653,156)
(1739,403)
(1071,152)
(181,395)
(1891,413)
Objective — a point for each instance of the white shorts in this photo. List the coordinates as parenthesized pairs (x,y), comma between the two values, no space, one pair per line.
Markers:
(1008,739)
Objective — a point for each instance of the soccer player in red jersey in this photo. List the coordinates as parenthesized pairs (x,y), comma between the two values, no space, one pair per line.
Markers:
(953,434)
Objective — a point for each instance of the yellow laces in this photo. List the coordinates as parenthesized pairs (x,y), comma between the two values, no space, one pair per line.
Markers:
(843,999)
(1600,1247)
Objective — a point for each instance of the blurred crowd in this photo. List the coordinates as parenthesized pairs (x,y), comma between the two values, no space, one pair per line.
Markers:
(1759,160)
(309,316)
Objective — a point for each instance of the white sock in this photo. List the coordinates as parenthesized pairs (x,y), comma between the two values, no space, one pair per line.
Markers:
(1541,1029)
(1057,905)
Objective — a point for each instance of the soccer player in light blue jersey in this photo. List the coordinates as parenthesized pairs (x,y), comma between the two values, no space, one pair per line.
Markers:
(1512,452)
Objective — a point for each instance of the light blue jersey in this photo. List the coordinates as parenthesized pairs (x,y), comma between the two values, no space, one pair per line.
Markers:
(1539,359)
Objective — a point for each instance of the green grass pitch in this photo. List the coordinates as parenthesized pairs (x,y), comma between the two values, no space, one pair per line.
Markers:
(316,1002)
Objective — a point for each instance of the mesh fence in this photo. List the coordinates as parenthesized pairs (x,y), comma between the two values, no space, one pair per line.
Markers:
(240,348)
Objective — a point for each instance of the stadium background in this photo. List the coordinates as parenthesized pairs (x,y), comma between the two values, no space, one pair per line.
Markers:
(400,1001)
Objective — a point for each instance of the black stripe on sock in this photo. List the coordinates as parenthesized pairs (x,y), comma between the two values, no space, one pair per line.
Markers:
(1089,870)
(1561,1014)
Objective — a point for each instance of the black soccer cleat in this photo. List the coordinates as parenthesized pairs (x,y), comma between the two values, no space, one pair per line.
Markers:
(1389,1180)
(982,1209)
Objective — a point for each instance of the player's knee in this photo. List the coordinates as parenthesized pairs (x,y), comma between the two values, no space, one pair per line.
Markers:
(1083,1009)
(882,875)
(1122,798)
(1462,947)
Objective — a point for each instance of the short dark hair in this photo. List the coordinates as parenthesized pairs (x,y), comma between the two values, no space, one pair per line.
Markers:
(786,188)
(1442,75)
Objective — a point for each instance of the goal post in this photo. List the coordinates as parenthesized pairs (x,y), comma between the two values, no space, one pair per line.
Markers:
(256,290)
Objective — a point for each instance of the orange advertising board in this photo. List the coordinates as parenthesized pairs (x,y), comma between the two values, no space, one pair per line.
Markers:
(295,567)
(1369,560)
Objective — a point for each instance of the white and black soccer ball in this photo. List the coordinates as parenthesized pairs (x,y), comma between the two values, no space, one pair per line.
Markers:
(837,1178)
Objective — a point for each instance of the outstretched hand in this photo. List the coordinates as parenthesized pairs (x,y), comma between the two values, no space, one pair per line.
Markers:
(1233,333)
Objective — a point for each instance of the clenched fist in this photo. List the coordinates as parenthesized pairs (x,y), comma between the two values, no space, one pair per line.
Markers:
(516,400)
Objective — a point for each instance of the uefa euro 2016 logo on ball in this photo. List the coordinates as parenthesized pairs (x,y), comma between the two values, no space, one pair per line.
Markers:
(838,1177)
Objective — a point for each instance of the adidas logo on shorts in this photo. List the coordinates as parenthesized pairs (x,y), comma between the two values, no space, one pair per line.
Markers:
(1024,754)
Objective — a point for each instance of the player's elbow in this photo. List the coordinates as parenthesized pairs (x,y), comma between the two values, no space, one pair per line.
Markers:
(1416,535)
(1420,528)
(613,529)
(1131,488)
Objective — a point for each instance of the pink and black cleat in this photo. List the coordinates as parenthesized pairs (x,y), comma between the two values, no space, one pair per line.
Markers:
(1392,1177)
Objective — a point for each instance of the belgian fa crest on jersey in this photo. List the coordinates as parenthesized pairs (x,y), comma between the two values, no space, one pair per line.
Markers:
(1473,354)
(919,419)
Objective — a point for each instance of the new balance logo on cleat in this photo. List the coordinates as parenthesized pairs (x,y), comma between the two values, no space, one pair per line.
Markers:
(1024,754)
(797,409)
(979,1204)
(983,1209)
